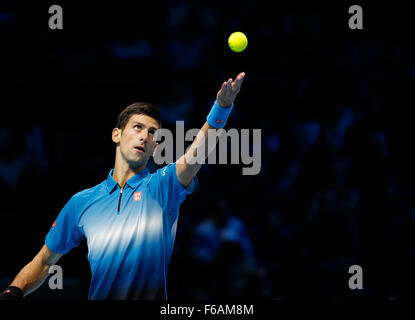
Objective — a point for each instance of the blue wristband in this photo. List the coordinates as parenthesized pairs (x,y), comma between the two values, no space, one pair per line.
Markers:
(218,115)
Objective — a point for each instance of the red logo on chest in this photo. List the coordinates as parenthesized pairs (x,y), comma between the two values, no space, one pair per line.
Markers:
(137,196)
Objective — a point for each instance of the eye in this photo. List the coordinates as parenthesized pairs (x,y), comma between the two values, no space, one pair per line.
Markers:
(137,126)
(151,132)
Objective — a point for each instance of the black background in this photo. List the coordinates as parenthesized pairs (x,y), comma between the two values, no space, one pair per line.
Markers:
(314,210)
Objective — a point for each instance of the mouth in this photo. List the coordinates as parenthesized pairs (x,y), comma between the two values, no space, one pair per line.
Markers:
(140,149)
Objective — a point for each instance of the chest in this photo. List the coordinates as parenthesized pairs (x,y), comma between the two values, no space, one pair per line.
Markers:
(122,219)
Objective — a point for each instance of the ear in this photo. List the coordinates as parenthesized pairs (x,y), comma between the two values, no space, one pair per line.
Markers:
(116,135)
(155,147)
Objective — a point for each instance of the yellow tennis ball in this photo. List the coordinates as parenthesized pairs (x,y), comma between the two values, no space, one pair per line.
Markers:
(237,41)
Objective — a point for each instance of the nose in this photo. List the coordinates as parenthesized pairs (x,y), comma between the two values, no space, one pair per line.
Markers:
(144,134)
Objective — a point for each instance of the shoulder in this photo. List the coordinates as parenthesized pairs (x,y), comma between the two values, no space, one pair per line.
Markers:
(162,172)
(167,176)
(89,194)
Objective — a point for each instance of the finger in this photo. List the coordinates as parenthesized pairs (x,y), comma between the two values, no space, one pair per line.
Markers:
(229,87)
(240,78)
(223,88)
(236,90)
(236,86)
(241,75)
(237,83)
(235,93)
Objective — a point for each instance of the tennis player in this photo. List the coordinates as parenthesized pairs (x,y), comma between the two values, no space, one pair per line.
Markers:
(130,219)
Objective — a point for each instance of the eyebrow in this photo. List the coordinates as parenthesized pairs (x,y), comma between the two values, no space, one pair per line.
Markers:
(137,122)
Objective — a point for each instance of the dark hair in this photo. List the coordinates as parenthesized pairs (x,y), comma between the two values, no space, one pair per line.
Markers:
(145,108)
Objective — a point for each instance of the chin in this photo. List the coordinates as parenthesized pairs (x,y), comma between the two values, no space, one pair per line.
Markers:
(137,163)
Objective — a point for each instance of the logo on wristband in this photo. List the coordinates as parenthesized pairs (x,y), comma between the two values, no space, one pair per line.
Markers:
(220,121)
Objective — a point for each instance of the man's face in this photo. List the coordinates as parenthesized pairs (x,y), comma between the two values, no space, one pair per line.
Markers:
(136,141)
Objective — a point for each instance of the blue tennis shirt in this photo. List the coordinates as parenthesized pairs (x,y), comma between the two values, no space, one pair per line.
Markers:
(130,232)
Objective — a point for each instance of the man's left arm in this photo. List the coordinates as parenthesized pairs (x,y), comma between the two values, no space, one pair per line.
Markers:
(188,165)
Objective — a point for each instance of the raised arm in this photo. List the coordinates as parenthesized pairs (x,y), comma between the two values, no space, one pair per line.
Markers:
(32,275)
(186,167)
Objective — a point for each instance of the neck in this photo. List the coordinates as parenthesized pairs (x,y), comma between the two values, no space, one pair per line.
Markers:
(123,171)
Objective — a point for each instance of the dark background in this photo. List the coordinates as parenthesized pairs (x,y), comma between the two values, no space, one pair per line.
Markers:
(334,106)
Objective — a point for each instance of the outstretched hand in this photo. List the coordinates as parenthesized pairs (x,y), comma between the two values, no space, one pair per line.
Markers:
(229,90)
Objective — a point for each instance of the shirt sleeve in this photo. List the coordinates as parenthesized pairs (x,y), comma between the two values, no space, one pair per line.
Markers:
(166,188)
(65,232)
